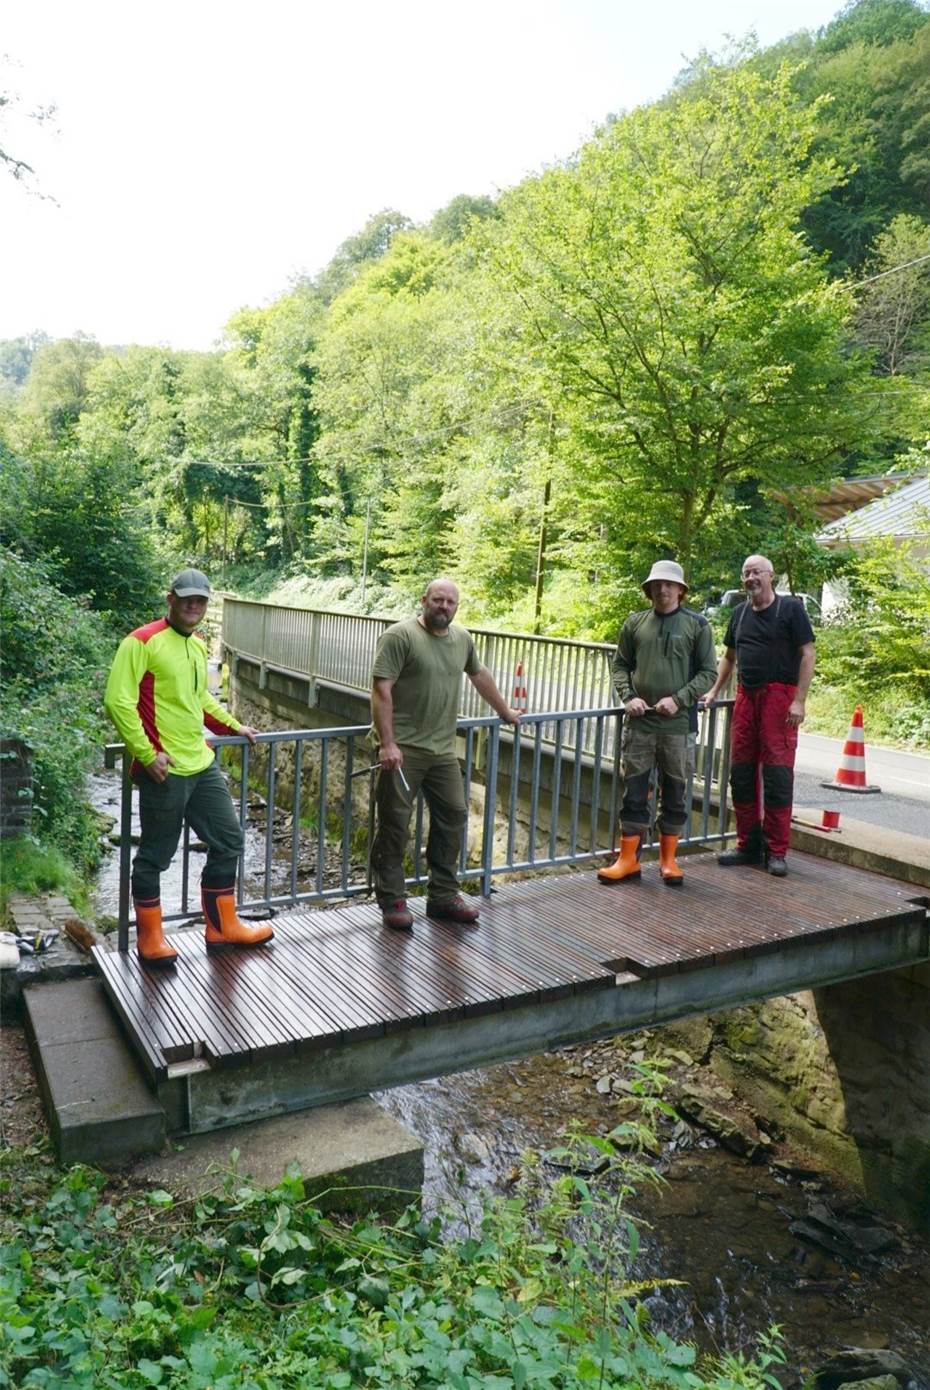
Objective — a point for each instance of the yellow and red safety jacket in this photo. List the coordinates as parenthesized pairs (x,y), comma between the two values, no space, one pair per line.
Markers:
(157,697)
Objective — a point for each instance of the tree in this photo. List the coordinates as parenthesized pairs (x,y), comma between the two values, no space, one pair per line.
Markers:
(663,283)
(452,222)
(370,244)
(878,22)
(16,356)
(11,103)
(893,313)
(874,127)
(56,387)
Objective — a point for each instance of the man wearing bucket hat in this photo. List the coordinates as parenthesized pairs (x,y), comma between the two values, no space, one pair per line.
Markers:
(663,664)
(157,697)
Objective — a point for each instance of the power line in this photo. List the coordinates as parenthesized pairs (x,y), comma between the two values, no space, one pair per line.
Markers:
(905,265)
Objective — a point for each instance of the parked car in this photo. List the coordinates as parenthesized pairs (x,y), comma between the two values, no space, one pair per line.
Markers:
(732,598)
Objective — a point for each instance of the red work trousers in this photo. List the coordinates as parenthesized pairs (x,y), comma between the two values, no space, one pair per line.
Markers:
(762,750)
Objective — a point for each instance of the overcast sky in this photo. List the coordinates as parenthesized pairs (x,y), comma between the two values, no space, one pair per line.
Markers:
(204,153)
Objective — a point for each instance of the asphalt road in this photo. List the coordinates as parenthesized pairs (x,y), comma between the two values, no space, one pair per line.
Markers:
(904,778)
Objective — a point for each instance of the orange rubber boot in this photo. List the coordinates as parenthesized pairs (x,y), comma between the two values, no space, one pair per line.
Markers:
(151,945)
(627,865)
(670,871)
(224,931)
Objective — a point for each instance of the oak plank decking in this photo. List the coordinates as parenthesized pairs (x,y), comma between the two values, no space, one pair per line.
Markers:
(336,976)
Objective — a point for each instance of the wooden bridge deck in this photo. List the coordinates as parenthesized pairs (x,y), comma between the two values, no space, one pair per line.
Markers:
(335,978)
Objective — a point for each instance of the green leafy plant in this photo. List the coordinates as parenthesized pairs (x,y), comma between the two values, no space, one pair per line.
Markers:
(248,1288)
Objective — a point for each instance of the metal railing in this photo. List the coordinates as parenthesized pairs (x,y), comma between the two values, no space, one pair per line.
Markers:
(532,805)
(558,674)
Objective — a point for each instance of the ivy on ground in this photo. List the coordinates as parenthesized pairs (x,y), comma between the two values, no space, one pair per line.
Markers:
(256,1289)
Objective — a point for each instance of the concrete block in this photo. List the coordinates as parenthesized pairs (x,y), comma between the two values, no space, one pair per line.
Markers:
(99,1105)
(353,1156)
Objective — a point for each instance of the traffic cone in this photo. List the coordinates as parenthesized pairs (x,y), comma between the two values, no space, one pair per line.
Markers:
(519,700)
(850,776)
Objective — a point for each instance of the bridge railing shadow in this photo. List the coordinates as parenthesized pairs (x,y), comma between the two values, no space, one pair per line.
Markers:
(306,798)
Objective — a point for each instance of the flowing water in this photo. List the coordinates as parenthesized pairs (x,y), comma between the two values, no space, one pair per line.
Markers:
(718,1222)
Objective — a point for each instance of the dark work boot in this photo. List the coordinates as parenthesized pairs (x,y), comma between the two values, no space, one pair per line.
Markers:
(752,852)
(733,857)
(455,909)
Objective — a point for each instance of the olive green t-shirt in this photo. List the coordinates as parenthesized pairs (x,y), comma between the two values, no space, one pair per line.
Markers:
(427,675)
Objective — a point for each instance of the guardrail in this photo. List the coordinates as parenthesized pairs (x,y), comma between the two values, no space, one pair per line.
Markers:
(529,810)
(556,674)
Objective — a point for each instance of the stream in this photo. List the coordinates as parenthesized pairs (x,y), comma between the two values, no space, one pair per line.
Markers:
(758,1242)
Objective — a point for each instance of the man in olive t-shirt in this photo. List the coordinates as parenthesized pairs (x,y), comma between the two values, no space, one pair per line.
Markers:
(416,687)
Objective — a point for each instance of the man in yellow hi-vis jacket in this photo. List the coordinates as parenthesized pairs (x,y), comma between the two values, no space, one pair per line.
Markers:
(157,696)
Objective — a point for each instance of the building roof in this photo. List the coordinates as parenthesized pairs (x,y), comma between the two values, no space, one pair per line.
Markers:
(849,494)
(897,514)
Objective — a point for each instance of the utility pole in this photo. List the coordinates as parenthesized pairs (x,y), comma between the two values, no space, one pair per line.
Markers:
(365,549)
(225,536)
(543,524)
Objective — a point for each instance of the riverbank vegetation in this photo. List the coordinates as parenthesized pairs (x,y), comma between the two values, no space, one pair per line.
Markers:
(109,1284)
(664,344)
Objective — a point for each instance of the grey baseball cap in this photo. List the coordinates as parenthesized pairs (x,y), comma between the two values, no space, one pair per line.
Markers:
(191,584)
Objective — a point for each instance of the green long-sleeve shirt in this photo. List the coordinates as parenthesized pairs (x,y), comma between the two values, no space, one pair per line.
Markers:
(661,654)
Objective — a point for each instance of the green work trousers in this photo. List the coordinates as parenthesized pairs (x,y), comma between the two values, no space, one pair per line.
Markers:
(441,781)
(648,743)
(204,801)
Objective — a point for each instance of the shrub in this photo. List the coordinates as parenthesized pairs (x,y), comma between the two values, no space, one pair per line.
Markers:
(54,660)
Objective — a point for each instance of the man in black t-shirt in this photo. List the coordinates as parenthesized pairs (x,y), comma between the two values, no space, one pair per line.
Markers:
(771,640)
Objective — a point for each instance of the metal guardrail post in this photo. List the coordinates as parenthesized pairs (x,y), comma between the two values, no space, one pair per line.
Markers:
(490,802)
(125,853)
(313,653)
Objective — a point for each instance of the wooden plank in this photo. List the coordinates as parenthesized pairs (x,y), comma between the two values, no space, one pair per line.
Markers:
(402,969)
(225,1040)
(156,994)
(310,1021)
(136,1028)
(356,1019)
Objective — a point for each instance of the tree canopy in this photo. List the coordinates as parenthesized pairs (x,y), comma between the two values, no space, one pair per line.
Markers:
(643,351)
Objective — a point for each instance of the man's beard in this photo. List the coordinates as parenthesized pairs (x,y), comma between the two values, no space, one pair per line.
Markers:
(438,620)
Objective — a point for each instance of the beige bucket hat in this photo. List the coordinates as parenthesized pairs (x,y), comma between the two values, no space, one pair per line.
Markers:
(665,569)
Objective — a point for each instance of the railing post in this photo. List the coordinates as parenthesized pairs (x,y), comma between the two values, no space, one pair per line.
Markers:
(125,852)
(490,802)
(313,654)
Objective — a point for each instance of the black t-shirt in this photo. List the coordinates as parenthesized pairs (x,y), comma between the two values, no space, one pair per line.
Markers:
(768,641)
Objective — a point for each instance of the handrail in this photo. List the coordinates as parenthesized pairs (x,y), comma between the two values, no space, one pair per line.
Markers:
(543,673)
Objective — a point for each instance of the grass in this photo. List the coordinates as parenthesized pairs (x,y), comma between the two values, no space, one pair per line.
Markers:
(891,718)
(29,868)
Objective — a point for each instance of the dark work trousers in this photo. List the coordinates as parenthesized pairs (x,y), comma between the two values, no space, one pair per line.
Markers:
(441,780)
(762,748)
(647,744)
(204,801)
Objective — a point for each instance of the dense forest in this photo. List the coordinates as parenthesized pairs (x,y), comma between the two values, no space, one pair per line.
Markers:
(659,346)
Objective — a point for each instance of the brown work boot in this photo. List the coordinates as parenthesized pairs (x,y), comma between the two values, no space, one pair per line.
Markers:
(454,910)
(151,945)
(397,915)
(224,931)
(668,867)
(626,866)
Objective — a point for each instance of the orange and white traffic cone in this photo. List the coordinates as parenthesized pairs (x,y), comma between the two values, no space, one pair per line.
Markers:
(519,699)
(850,776)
